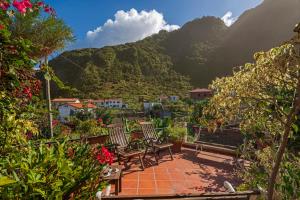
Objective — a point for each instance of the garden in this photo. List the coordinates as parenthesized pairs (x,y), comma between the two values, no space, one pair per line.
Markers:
(261,99)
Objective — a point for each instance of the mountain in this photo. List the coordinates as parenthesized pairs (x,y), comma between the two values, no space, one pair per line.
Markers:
(261,28)
(170,62)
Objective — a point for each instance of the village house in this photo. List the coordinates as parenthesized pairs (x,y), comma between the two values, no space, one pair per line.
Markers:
(60,101)
(163,98)
(200,93)
(174,98)
(70,109)
(109,103)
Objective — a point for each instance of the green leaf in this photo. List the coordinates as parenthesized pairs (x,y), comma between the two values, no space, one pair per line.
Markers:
(47,76)
(6,181)
(295,127)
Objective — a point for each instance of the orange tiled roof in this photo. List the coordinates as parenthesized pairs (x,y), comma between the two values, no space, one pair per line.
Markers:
(64,99)
(80,105)
(201,90)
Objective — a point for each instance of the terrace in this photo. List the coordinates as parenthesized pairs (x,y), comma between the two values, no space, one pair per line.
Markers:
(189,174)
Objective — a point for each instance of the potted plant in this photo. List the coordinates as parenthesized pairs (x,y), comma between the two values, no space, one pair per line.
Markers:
(133,128)
(93,131)
(177,135)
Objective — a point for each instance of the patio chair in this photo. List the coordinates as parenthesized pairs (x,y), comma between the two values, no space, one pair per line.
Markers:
(125,150)
(154,143)
(197,142)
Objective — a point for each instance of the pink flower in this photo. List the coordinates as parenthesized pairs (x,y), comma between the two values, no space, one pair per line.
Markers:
(20,6)
(27,3)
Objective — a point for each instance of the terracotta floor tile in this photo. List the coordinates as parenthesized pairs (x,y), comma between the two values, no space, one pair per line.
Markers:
(147,170)
(177,176)
(166,191)
(187,173)
(129,184)
(128,192)
(162,176)
(147,184)
(160,169)
(164,184)
(131,176)
(146,176)
(144,191)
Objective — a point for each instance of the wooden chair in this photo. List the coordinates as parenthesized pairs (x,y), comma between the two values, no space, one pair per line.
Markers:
(125,150)
(154,143)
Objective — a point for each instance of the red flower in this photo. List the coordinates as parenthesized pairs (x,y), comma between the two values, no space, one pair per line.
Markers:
(1,27)
(27,91)
(4,5)
(40,4)
(55,122)
(105,156)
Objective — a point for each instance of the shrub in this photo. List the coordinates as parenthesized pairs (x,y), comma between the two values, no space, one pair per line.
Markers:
(53,171)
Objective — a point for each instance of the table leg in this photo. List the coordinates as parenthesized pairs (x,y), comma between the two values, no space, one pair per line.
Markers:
(117,187)
(120,184)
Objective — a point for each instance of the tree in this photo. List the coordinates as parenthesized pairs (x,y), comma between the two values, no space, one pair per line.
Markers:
(47,36)
(264,98)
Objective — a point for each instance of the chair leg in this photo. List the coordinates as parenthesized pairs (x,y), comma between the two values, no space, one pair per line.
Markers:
(170,151)
(146,151)
(141,161)
(119,159)
(155,156)
(125,163)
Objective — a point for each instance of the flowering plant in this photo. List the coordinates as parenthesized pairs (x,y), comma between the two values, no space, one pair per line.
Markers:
(104,156)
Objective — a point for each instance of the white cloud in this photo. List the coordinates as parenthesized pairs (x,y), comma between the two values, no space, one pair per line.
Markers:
(127,26)
(228,19)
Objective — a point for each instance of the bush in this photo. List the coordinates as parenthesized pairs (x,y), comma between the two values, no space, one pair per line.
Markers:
(55,171)
(90,127)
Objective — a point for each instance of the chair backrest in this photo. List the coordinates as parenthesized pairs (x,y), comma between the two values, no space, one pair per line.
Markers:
(197,130)
(117,135)
(148,130)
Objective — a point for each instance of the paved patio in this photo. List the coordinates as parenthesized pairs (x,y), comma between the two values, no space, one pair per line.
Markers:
(187,173)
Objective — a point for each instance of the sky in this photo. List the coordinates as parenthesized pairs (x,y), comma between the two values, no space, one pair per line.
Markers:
(97,23)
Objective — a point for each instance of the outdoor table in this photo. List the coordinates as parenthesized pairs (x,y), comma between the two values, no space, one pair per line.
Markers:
(115,178)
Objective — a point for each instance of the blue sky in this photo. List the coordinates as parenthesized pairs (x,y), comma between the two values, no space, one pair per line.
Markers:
(88,15)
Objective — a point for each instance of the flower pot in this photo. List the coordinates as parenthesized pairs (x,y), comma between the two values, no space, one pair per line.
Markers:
(100,139)
(176,148)
(99,195)
(136,135)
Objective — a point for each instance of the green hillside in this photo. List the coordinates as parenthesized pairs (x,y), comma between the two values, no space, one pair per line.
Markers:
(173,62)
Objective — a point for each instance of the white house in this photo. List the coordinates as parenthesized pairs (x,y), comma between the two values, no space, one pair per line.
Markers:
(174,98)
(149,105)
(109,103)
(69,109)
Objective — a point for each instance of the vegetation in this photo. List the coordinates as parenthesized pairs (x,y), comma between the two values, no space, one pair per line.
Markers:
(32,169)
(263,97)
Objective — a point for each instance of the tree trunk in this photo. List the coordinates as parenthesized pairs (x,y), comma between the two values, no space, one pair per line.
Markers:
(284,141)
(49,100)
